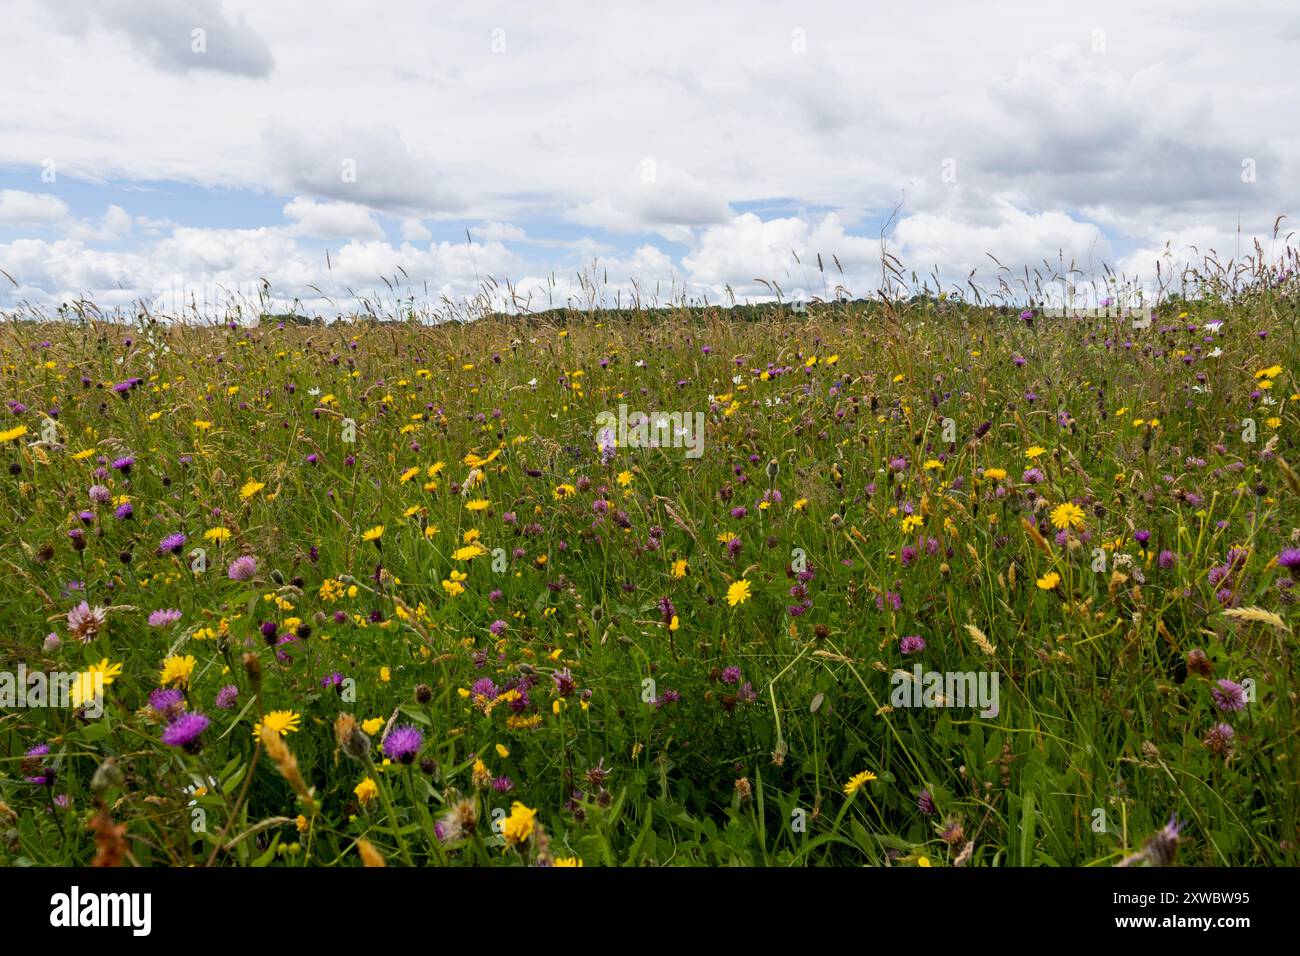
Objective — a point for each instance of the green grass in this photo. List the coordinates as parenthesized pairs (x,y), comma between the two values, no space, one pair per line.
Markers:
(1100,733)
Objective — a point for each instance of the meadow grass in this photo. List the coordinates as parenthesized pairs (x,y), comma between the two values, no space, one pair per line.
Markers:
(430,615)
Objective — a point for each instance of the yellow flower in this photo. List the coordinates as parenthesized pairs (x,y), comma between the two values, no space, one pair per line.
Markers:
(217,534)
(674,624)
(502,751)
(478,504)
(932,463)
(1067,515)
(738,592)
(1035,452)
(1049,580)
(996,474)
(373,725)
(177,670)
(251,488)
(366,791)
(923,861)
(469,552)
(858,780)
(281,721)
(564,491)
(13,434)
(86,685)
(518,827)
(566,861)
(373,534)
(800,504)
(385,674)
(625,478)
(912,521)
(679,568)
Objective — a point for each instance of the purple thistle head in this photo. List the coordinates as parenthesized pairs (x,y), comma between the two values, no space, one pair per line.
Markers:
(167,702)
(911,644)
(185,731)
(403,743)
(227,697)
(172,543)
(1290,559)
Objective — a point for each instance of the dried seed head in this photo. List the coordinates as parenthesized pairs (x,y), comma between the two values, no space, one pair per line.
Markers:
(351,740)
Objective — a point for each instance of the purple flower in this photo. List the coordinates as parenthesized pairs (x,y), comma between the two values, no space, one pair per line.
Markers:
(185,730)
(167,702)
(124,511)
(1229,695)
(564,685)
(1289,559)
(484,687)
(731,675)
(498,627)
(124,464)
(911,644)
(403,743)
(925,803)
(227,697)
(243,568)
(1166,559)
(172,543)
(100,495)
(164,617)
(1142,537)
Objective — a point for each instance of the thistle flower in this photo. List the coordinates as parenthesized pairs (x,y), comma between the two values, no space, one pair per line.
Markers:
(185,730)
(403,743)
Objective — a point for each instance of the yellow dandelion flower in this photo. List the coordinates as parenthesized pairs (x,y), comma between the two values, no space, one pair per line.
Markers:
(1067,515)
(177,670)
(366,791)
(280,721)
(1049,580)
(857,780)
(738,592)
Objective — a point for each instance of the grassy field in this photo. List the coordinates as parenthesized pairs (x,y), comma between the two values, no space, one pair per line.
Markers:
(384,590)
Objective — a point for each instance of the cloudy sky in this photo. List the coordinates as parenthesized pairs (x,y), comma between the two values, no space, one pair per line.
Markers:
(150,147)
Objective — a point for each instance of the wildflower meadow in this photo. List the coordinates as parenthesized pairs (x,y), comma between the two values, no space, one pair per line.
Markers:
(917,582)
